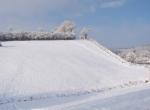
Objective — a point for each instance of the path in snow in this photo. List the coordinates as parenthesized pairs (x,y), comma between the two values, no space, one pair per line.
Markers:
(134,98)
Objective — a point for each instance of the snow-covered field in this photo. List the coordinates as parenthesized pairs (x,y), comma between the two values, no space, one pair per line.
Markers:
(49,73)
(134,98)
(125,99)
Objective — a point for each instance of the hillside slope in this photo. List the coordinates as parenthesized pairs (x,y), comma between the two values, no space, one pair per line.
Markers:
(37,67)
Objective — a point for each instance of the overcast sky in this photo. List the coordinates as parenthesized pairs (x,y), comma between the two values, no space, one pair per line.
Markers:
(114,23)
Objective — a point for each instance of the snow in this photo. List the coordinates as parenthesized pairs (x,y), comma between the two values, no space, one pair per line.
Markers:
(134,98)
(35,69)
(130,99)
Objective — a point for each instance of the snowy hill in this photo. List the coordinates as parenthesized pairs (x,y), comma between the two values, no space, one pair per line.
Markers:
(36,68)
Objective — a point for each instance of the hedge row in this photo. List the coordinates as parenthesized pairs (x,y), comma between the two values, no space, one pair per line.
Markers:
(10,36)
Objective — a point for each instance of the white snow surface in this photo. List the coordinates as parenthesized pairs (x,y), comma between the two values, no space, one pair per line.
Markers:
(134,98)
(37,67)
(125,99)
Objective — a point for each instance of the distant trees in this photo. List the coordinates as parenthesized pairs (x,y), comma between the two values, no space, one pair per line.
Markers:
(131,56)
(65,31)
(10,36)
(84,33)
(139,55)
(65,27)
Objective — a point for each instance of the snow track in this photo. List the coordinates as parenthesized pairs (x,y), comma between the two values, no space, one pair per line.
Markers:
(86,100)
(76,93)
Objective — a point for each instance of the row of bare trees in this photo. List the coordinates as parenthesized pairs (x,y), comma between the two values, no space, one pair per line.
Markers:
(66,31)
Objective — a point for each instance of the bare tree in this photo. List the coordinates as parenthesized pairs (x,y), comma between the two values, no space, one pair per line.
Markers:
(65,30)
(84,33)
(131,57)
(65,27)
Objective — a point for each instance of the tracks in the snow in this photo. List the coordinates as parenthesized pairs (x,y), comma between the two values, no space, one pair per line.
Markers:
(75,93)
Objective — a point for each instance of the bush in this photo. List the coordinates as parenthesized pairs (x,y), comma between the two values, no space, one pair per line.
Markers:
(10,36)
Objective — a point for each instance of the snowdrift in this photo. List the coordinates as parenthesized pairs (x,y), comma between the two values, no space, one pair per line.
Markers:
(38,67)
